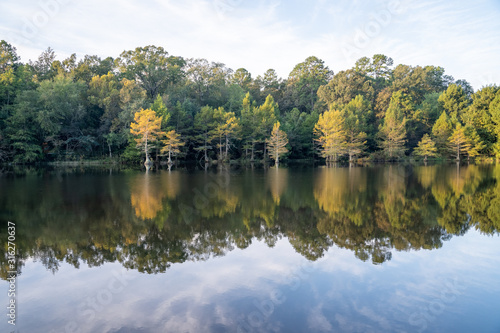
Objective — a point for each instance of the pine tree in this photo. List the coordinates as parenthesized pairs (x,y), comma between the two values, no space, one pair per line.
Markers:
(147,126)
(277,143)
(172,144)
(441,131)
(331,135)
(426,147)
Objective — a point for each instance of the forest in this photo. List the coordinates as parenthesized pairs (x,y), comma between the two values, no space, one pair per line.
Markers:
(148,104)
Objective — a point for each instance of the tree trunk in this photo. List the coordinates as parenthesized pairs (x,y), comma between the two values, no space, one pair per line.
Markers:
(265,149)
(205,149)
(220,147)
(227,145)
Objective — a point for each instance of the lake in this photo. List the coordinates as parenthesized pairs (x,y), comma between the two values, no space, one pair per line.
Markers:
(393,248)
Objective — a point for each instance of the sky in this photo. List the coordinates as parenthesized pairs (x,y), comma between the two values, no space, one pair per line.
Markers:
(461,36)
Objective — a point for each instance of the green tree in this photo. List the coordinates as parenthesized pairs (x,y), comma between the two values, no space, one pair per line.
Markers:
(393,131)
(299,128)
(24,131)
(104,93)
(248,126)
(441,131)
(356,114)
(304,81)
(207,81)
(344,87)
(478,115)
(270,84)
(454,101)
(494,109)
(151,67)
(265,117)
(204,124)
(474,143)
(43,68)
(377,67)
(161,110)
(62,116)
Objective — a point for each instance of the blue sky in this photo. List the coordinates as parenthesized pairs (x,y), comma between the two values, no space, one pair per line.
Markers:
(461,36)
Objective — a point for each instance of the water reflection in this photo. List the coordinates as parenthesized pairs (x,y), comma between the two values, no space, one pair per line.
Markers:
(149,221)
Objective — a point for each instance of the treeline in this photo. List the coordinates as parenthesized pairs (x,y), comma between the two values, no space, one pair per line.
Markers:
(82,109)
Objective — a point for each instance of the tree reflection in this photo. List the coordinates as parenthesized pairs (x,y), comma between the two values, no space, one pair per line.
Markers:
(140,219)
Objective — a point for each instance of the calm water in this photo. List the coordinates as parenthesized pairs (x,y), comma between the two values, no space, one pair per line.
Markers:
(379,249)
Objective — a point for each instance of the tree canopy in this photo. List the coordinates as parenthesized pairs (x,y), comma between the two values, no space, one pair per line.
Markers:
(73,108)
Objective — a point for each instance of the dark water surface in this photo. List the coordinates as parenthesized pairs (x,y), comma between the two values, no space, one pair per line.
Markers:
(376,249)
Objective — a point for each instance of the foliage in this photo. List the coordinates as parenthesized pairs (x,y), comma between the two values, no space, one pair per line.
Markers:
(83,108)
(172,143)
(426,147)
(393,130)
(147,129)
(277,143)
(331,135)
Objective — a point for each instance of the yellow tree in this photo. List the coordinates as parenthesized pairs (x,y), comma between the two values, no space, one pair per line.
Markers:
(426,147)
(457,142)
(226,126)
(230,128)
(147,127)
(172,145)
(276,144)
(331,134)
